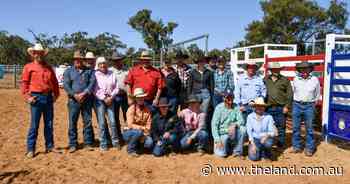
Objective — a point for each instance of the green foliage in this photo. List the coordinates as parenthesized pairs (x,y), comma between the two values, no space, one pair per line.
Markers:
(156,34)
(13,49)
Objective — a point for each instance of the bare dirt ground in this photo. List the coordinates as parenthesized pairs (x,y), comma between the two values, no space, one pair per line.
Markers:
(117,167)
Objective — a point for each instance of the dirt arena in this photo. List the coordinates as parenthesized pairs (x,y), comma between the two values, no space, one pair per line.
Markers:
(117,167)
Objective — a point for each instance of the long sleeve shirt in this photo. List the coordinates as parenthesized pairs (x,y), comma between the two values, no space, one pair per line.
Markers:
(248,89)
(223,118)
(120,76)
(106,85)
(193,121)
(162,124)
(223,81)
(306,90)
(172,84)
(140,119)
(39,78)
(257,127)
(78,80)
(279,92)
(201,80)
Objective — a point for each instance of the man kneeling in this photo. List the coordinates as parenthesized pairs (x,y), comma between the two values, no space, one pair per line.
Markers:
(139,121)
(227,128)
(260,130)
(165,130)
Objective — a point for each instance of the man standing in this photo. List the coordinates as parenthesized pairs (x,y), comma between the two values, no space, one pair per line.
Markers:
(145,76)
(227,128)
(249,87)
(121,99)
(306,92)
(223,81)
(78,83)
(40,89)
(279,100)
(183,70)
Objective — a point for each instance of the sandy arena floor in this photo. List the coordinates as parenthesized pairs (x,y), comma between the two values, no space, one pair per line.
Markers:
(117,167)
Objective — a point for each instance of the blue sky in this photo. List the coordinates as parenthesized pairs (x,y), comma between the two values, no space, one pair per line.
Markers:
(224,20)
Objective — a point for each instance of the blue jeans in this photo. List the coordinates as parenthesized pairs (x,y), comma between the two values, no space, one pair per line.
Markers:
(248,109)
(174,103)
(202,140)
(133,137)
(231,144)
(262,150)
(217,99)
(204,95)
(307,112)
(74,109)
(280,122)
(160,149)
(102,109)
(43,106)
(121,102)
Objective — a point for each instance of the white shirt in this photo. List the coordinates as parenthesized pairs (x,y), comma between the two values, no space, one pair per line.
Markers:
(120,76)
(306,90)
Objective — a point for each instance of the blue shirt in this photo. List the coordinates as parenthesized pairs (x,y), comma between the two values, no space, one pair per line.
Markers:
(77,81)
(259,127)
(223,81)
(248,89)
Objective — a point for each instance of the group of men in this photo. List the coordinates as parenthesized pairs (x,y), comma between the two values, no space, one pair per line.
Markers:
(174,108)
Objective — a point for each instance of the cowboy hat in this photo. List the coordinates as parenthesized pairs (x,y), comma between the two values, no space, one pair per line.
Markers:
(77,55)
(139,93)
(116,56)
(163,102)
(145,55)
(100,60)
(274,65)
(194,99)
(304,65)
(251,63)
(38,48)
(259,102)
(90,55)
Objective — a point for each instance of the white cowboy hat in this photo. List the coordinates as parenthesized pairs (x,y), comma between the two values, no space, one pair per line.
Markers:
(139,93)
(259,102)
(145,55)
(274,65)
(90,55)
(37,47)
(100,60)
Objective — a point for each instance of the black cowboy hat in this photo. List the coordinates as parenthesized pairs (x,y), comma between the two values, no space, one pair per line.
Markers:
(193,99)
(163,102)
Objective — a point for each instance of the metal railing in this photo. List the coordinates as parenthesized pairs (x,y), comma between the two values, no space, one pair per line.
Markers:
(10,76)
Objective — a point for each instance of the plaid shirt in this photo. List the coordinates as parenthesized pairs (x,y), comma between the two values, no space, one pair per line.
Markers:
(223,81)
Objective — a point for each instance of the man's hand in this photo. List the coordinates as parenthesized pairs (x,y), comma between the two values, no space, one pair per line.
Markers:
(189,141)
(285,110)
(108,101)
(166,135)
(219,145)
(155,102)
(31,100)
(130,100)
(159,143)
(78,98)
(242,108)
(263,139)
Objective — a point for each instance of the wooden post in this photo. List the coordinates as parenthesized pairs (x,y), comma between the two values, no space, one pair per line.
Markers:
(15,75)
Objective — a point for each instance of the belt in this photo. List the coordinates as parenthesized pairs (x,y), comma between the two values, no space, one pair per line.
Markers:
(42,93)
(304,103)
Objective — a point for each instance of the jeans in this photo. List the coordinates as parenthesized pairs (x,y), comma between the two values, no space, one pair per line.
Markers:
(174,103)
(121,102)
(202,138)
(43,106)
(134,138)
(74,109)
(102,109)
(262,150)
(307,112)
(217,99)
(160,149)
(204,95)
(280,122)
(248,109)
(231,144)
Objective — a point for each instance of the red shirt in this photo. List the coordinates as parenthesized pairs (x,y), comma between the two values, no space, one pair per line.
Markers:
(38,78)
(149,80)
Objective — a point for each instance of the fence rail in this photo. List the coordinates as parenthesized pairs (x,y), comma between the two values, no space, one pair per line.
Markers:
(10,76)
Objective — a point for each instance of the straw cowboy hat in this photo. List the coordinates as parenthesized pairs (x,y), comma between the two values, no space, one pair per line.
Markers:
(100,60)
(38,48)
(90,55)
(139,93)
(194,99)
(145,55)
(116,56)
(163,102)
(301,65)
(77,55)
(274,65)
(251,63)
(259,102)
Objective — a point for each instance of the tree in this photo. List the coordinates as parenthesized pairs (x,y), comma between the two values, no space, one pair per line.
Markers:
(194,52)
(296,22)
(13,49)
(156,34)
